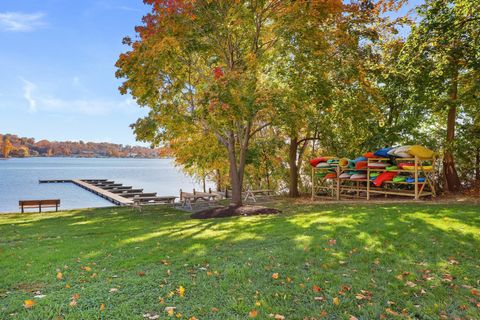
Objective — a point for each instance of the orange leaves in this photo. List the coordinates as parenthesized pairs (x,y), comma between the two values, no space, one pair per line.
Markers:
(475,292)
(253,314)
(316,288)
(141,274)
(332,242)
(102,307)
(59,276)
(275,276)
(27,304)
(74,299)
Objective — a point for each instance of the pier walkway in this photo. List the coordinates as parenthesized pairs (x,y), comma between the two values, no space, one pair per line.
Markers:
(116,192)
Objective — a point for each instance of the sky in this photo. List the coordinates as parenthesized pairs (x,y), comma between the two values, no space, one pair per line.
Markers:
(57,63)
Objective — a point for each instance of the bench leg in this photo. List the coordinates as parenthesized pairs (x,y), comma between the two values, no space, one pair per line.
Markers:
(56,207)
(22,209)
(39,208)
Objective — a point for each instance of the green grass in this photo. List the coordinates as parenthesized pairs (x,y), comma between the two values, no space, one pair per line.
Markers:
(418,260)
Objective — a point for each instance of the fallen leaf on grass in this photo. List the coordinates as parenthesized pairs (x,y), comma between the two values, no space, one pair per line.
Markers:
(102,307)
(73,303)
(112,290)
(475,292)
(390,311)
(253,313)
(170,310)
(332,242)
(410,284)
(316,288)
(28,304)
(215,309)
(192,318)
(151,316)
(352,318)
(88,269)
(141,273)
(447,278)
(59,276)
(76,296)
(275,276)
(181,291)
(336,301)
(276,316)
(319,298)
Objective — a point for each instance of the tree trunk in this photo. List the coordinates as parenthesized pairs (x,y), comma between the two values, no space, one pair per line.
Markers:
(292,162)
(237,169)
(451,176)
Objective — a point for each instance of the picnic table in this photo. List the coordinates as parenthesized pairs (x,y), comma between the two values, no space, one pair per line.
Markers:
(254,194)
(187,199)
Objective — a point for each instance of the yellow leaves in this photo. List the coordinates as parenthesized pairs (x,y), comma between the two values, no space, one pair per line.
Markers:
(67,286)
(253,314)
(181,291)
(275,276)
(102,307)
(27,304)
(258,303)
(192,318)
(59,276)
(336,301)
(170,310)
(86,268)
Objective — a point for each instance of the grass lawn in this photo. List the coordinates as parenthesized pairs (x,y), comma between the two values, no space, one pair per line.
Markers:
(375,261)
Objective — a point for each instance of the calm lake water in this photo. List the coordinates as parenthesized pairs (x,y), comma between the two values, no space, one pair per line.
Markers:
(19,179)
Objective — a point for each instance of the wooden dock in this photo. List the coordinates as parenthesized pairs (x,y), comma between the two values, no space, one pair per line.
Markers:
(116,193)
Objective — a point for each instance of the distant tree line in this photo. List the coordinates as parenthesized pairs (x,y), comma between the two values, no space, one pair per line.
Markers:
(14,146)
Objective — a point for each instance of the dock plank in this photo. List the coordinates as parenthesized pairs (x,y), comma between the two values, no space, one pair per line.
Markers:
(115,198)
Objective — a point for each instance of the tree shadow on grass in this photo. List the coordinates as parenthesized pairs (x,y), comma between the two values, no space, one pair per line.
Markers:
(343,249)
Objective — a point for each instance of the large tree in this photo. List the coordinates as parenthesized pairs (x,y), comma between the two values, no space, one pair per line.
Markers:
(441,53)
(199,65)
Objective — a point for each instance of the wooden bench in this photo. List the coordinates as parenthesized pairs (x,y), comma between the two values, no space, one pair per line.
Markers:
(253,194)
(28,204)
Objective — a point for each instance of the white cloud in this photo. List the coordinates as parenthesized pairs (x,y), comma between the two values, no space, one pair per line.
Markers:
(28,90)
(40,102)
(21,22)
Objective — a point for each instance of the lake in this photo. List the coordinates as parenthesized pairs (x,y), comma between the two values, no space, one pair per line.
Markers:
(19,179)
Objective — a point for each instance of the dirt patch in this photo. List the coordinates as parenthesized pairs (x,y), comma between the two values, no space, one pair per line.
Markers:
(232,211)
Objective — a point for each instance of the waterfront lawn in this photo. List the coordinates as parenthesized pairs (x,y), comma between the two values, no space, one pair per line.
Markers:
(310,262)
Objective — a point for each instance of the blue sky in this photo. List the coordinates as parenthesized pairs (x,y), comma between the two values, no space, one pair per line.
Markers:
(57,69)
(57,60)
